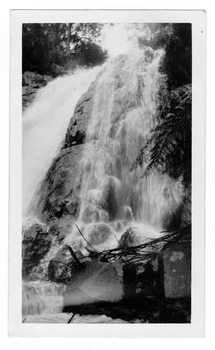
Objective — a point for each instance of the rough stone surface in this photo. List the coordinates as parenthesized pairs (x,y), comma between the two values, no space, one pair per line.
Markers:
(56,268)
(128,239)
(79,122)
(36,243)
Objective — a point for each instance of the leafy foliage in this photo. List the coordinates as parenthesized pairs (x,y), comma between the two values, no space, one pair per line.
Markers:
(177,63)
(90,54)
(169,146)
(176,39)
(154,35)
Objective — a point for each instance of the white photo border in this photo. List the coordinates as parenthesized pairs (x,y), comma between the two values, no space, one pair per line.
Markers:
(198,20)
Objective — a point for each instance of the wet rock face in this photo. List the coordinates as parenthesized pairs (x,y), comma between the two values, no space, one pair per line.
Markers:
(128,239)
(35,245)
(78,124)
(63,267)
(58,195)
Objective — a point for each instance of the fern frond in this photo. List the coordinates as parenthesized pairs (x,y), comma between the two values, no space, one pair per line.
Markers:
(169,144)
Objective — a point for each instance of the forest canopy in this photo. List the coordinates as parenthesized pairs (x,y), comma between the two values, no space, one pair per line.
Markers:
(64,44)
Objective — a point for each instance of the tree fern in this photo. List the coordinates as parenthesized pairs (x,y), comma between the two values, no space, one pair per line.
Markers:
(169,146)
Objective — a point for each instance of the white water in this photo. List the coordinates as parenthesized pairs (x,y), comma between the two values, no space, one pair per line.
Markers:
(44,126)
(113,199)
(38,298)
(124,111)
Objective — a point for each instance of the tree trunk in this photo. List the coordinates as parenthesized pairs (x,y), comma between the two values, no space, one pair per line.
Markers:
(68,39)
(74,256)
(160,282)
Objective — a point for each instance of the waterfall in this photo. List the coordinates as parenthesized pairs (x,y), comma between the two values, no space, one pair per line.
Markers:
(113,199)
(123,114)
(44,126)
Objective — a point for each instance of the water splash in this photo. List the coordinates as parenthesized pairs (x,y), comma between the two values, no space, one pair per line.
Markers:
(41,298)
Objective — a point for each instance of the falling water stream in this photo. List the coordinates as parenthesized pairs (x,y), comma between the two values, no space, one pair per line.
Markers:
(112,199)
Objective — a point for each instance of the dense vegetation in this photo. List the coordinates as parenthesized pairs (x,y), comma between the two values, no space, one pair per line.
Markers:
(64,44)
(169,146)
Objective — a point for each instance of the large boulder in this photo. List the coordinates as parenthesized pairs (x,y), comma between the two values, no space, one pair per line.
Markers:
(63,267)
(136,234)
(29,78)
(36,243)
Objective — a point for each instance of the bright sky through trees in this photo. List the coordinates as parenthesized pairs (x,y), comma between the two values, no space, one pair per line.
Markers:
(116,39)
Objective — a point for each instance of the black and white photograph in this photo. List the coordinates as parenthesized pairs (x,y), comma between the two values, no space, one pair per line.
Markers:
(107,172)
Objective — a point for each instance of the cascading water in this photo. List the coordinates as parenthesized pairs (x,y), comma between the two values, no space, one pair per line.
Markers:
(112,199)
(41,298)
(122,117)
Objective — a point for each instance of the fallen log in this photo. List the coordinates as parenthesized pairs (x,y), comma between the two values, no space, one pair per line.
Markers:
(74,255)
